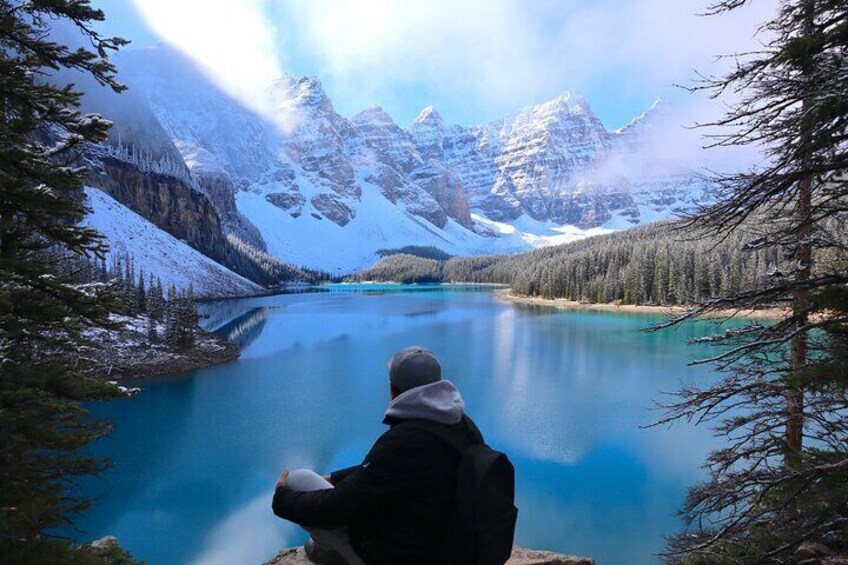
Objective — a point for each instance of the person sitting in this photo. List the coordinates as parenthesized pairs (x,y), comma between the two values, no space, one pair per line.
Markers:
(396,506)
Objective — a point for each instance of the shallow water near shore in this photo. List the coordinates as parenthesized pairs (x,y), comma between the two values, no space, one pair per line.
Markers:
(564,393)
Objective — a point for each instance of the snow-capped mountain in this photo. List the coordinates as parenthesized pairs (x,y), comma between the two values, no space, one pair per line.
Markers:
(556,162)
(316,189)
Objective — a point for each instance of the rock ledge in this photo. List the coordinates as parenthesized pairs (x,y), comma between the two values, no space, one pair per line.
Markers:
(295,556)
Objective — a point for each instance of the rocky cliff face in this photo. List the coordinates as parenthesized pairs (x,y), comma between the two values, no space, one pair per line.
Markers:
(166,202)
(525,163)
(439,180)
(220,191)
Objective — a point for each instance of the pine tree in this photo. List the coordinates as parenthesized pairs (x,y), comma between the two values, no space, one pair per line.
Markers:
(155,306)
(185,319)
(781,479)
(152,331)
(117,272)
(103,273)
(42,315)
(172,330)
(160,301)
(141,294)
(128,288)
(672,296)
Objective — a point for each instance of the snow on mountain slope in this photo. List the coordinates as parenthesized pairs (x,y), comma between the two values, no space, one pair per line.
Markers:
(156,251)
(311,240)
(536,233)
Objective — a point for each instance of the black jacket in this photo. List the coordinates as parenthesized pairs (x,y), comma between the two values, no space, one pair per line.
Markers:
(397,503)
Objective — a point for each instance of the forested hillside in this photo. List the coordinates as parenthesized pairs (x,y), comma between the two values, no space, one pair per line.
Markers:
(655,264)
(405,268)
(425,251)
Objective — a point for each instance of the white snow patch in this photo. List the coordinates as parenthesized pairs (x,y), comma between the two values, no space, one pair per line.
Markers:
(535,233)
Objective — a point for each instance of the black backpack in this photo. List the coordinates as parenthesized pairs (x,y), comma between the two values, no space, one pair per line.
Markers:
(482,524)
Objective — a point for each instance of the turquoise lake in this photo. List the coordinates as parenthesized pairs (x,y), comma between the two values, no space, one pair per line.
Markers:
(565,393)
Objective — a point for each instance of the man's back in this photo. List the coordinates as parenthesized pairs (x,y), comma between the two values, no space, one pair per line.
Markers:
(398,503)
(409,526)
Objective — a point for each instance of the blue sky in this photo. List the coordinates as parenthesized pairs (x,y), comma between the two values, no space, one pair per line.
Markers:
(474,60)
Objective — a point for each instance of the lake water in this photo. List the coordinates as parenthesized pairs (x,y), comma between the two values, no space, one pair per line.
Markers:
(564,393)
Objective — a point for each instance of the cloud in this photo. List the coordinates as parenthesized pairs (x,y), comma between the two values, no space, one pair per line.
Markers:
(474,59)
(466,47)
(511,53)
(500,54)
(667,145)
(236,46)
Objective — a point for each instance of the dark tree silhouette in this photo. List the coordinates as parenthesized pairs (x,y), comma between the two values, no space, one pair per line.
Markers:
(781,480)
(42,315)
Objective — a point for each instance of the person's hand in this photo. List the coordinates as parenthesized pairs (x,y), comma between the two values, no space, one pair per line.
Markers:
(282,481)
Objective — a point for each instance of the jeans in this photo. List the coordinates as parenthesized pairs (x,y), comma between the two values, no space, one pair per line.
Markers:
(305,480)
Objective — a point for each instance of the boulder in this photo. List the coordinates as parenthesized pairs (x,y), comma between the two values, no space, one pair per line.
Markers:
(106,542)
(331,206)
(291,202)
(817,553)
(811,552)
(530,557)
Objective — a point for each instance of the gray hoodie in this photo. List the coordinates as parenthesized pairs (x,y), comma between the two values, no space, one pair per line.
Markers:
(439,402)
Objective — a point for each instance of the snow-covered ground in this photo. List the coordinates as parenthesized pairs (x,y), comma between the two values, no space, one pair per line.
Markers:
(156,251)
(127,352)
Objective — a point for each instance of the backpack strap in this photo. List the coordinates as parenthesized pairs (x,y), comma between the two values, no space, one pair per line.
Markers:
(476,436)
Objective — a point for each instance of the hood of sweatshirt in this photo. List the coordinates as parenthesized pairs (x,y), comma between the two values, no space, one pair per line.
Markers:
(439,402)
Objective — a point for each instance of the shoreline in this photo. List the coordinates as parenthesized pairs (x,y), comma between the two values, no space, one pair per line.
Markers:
(146,361)
(434,283)
(259,294)
(565,304)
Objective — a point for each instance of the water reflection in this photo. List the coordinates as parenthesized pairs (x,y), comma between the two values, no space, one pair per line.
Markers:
(564,393)
(246,328)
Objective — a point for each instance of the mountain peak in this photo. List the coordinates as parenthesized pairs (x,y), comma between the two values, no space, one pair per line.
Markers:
(279,86)
(375,116)
(428,114)
(302,94)
(303,173)
(658,108)
(567,103)
(572,102)
(285,80)
(311,87)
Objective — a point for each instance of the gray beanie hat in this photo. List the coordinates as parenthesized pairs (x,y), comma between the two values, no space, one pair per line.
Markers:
(414,366)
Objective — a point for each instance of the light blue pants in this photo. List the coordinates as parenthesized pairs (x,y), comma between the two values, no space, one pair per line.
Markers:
(339,540)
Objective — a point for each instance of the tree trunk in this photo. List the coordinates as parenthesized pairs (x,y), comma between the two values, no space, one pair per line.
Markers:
(804,254)
(798,348)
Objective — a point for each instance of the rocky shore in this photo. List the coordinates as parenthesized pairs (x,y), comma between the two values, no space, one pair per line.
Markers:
(507,295)
(128,353)
(296,556)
